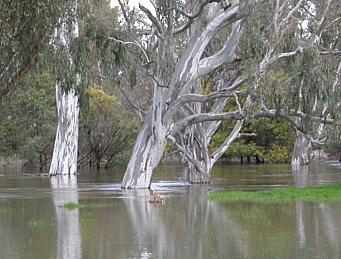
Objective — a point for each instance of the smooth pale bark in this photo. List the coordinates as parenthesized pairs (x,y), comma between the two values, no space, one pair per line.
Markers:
(303,150)
(146,155)
(65,152)
(64,190)
(151,141)
(64,159)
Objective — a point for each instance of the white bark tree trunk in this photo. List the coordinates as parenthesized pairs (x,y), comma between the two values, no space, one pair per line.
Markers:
(65,153)
(146,155)
(170,85)
(303,150)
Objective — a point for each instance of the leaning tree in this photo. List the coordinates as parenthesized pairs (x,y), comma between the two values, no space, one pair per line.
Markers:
(174,73)
(180,111)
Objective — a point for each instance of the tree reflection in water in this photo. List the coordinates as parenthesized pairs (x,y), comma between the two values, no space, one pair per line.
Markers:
(64,191)
(186,227)
(324,222)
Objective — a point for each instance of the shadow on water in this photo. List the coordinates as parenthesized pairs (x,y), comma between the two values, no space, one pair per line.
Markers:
(111,223)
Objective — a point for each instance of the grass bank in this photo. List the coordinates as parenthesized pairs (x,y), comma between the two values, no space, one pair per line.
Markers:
(313,194)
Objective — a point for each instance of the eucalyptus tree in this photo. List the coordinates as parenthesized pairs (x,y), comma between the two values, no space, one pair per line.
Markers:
(175,71)
(304,91)
(26,28)
(85,56)
(263,49)
(65,153)
(172,113)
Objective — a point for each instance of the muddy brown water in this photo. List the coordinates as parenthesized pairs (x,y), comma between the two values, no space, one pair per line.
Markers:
(111,223)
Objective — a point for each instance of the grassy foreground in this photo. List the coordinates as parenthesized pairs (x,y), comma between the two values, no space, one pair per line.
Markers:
(73,206)
(314,194)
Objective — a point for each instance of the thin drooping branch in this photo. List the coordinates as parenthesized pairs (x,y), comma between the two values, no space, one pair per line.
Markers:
(134,43)
(136,107)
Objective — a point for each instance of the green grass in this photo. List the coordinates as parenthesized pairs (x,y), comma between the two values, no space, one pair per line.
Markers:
(73,206)
(313,194)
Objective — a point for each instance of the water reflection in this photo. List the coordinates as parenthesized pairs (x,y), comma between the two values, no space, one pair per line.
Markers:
(187,226)
(64,191)
(122,224)
(323,221)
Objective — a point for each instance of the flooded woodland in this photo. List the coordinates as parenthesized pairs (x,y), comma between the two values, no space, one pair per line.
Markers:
(113,223)
(170,129)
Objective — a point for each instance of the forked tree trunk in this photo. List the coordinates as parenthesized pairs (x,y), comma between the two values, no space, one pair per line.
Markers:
(170,86)
(303,150)
(64,159)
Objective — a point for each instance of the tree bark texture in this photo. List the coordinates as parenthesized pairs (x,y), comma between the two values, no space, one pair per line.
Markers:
(64,159)
(303,150)
(65,152)
(163,116)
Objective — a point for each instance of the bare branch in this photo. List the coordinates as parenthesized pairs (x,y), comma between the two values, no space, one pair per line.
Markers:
(228,141)
(138,110)
(191,98)
(135,43)
(192,16)
(204,117)
(291,13)
(225,55)
(152,18)
(189,156)
(125,15)
(338,78)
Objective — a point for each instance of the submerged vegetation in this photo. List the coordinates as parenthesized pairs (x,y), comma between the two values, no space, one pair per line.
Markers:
(313,194)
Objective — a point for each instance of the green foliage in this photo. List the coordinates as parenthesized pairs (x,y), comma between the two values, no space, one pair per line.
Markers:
(292,194)
(278,154)
(109,130)
(26,28)
(100,102)
(273,141)
(27,124)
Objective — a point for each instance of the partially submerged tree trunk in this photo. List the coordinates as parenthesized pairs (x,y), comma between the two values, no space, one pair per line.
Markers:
(64,159)
(146,155)
(169,98)
(65,152)
(303,150)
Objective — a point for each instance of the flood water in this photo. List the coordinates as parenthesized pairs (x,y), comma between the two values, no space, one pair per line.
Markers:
(111,223)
